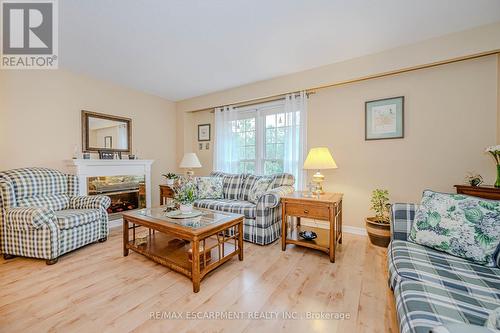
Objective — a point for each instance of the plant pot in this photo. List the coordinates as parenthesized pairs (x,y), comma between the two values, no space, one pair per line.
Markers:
(186,208)
(169,182)
(379,233)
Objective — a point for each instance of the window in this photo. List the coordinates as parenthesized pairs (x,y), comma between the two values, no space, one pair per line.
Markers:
(244,130)
(260,134)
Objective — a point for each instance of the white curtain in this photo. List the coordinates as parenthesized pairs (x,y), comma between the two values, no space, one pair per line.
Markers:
(226,150)
(295,137)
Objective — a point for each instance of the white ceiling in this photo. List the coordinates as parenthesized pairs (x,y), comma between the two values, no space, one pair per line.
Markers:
(184,48)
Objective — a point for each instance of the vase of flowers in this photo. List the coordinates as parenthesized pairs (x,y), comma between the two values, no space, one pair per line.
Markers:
(495,152)
(185,195)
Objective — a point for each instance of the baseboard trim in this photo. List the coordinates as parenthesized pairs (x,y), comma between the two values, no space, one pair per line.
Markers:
(354,230)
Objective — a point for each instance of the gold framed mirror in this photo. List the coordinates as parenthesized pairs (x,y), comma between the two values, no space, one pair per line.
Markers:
(106,132)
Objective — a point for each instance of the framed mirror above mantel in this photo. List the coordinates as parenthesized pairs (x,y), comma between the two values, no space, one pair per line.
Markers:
(106,132)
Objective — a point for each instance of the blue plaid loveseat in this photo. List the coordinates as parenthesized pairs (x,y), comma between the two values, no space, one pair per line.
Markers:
(433,288)
(42,216)
(262,223)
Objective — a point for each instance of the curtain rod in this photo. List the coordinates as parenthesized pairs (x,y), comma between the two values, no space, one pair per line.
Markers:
(310,91)
(257,101)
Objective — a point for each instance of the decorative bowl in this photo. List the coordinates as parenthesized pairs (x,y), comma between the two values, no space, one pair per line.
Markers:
(308,235)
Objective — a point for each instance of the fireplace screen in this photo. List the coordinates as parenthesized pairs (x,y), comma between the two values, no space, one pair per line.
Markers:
(126,192)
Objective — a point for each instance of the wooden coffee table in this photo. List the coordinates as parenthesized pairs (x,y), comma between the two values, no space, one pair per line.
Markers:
(193,247)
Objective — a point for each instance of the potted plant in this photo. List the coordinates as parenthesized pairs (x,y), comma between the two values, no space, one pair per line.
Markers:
(495,152)
(185,195)
(378,226)
(170,178)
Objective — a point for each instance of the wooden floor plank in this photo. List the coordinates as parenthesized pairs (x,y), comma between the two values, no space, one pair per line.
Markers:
(97,289)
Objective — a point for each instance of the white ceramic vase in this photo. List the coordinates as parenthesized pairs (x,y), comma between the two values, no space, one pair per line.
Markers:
(186,208)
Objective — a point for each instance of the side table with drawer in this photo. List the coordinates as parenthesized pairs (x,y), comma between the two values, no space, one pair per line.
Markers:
(327,206)
(166,193)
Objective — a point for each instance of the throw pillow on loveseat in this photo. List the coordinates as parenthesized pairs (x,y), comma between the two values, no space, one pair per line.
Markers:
(464,226)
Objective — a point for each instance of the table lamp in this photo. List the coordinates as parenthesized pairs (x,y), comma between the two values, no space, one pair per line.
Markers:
(190,161)
(319,158)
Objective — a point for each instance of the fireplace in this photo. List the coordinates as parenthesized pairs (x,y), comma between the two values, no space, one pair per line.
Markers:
(126,192)
(108,177)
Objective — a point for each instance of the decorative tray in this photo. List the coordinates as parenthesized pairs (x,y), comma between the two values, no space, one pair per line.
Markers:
(177,214)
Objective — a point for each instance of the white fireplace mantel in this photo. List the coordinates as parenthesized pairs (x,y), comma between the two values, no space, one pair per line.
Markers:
(93,168)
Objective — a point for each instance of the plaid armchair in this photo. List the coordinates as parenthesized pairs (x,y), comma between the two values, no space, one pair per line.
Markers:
(42,216)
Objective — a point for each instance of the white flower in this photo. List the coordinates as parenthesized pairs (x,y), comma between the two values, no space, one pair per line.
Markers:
(493,149)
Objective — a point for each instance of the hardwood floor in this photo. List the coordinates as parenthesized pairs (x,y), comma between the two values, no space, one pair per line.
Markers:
(96,289)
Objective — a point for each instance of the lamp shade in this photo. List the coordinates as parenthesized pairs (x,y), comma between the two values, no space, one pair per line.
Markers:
(319,158)
(189,161)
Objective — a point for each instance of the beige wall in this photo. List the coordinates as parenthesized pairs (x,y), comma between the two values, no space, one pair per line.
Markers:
(205,155)
(481,39)
(449,119)
(450,116)
(40,119)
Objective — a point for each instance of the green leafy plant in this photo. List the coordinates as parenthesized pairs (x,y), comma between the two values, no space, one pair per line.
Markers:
(185,193)
(170,175)
(380,204)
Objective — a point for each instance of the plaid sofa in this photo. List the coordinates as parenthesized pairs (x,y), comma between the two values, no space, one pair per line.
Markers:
(433,288)
(262,224)
(42,216)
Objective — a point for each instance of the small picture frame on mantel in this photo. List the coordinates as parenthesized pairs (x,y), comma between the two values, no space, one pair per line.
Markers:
(106,155)
(204,132)
(384,118)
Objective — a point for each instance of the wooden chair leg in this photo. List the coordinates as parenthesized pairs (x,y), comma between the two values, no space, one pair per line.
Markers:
(51,261)
(8,256)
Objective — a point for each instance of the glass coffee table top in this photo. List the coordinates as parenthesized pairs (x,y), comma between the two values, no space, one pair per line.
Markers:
(207,217)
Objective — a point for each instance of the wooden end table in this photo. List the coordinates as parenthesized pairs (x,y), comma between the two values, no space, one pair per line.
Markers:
(193,247)
(327,207)
(483,191)
(166,192)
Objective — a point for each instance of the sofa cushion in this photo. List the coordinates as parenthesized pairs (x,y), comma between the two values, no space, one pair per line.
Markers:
(71,218)
(209,187)
(260,187)
(282,179)
(464,226)
(232,186)
(248,185)
(409,261)
(422,306)
(244,208)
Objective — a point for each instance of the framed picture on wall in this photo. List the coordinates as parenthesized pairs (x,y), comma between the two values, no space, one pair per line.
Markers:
(204,132)
(384,118)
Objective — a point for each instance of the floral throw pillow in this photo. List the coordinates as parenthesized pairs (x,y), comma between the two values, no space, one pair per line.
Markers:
(259,188)
(461,225)
(209,187)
